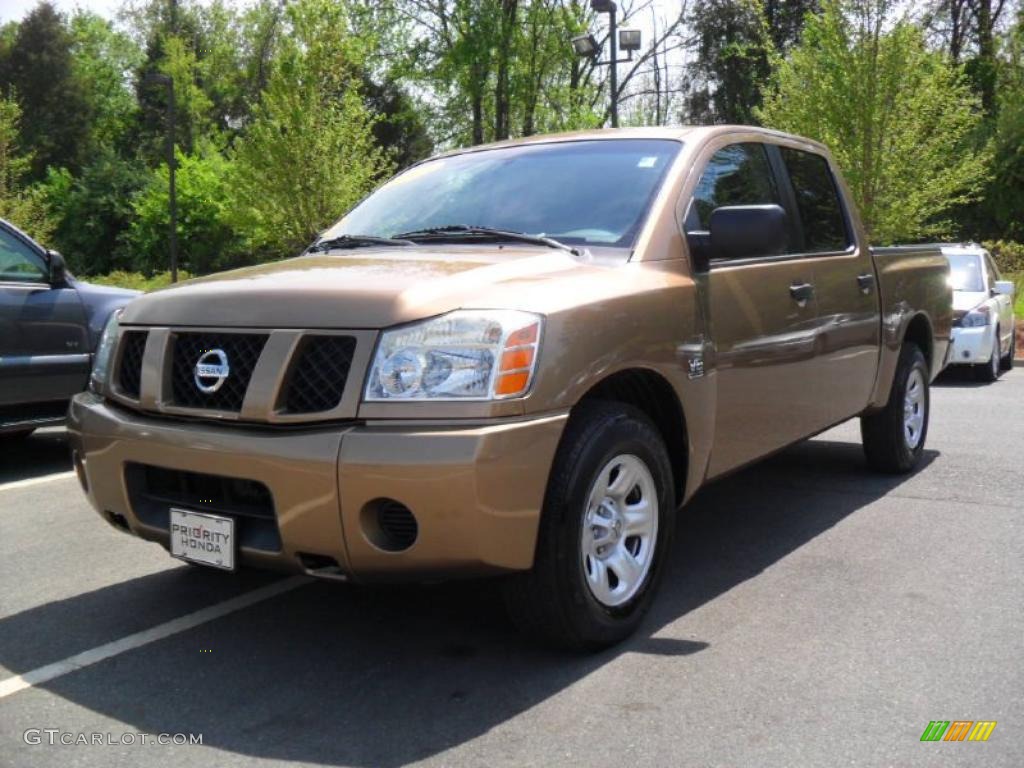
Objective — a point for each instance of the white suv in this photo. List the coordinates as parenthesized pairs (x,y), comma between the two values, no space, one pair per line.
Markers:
(983,332)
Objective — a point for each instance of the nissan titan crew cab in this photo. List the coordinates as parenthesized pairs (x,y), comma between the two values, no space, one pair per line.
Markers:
(520,360)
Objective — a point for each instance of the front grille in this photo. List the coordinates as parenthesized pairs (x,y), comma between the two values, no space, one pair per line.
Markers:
(152,491)
(133,345)
(242,351)
(316,381)
(958,317)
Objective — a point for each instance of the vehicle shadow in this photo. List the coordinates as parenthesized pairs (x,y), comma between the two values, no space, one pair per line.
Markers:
(42,453)
(387,676)
(960,376)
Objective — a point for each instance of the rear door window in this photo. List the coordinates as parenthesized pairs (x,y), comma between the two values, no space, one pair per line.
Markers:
(817,201)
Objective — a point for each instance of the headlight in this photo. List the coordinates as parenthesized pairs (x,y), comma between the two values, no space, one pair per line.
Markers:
(104,351)
(976,318)
(464,355)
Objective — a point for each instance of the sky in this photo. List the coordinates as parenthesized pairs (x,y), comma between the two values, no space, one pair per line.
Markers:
(12,10)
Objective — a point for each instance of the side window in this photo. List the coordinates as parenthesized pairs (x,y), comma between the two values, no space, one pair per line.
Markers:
(738,174)
(993,272)
(817,201)
(18,262)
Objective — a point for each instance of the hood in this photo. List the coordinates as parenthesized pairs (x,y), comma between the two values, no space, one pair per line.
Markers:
(965,301)
(358,289)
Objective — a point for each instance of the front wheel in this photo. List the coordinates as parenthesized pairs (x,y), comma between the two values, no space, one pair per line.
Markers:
(989,372)
(894,437)
(604,533)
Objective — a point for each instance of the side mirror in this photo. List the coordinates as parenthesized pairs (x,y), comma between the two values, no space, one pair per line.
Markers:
(1004,288)
(744,231)
(58,268)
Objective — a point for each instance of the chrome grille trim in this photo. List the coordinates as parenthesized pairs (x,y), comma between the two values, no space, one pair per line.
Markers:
(265,397)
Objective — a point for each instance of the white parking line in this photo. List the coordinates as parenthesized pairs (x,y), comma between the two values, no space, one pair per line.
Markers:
(35,481)
(87,658)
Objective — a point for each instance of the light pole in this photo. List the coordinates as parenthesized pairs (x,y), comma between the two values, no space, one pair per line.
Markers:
(166,80)
(628,39)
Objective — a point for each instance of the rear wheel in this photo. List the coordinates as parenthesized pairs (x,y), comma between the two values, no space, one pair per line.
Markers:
(989,371)
(605,529)
(1007,362)
(894,437)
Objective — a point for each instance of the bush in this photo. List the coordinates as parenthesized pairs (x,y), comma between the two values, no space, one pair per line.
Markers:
(207,242)
(1009,255)
(137,280)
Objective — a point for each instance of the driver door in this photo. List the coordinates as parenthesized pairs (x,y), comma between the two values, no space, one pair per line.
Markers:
(44,349)
(762,316)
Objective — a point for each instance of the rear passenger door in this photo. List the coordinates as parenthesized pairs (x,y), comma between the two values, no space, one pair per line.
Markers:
(844,282)
(762,329)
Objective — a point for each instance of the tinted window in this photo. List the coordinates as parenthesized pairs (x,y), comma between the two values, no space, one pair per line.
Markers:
(965,272)
(18,262)
(581,192)
(817,201)
(735,175)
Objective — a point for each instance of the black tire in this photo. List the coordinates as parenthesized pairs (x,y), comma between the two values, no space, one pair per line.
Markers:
(886,445)
(553,602)
(1007,361)
(989,371)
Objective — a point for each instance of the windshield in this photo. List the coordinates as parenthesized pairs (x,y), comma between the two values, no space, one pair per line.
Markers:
(965,272)
(581,192)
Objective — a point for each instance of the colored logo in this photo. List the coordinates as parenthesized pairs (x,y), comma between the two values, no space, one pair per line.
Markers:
(958,730)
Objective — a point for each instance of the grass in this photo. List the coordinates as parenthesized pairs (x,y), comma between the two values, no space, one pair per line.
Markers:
(137,280)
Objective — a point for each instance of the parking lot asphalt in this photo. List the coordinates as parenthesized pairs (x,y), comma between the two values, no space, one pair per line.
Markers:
(814,614)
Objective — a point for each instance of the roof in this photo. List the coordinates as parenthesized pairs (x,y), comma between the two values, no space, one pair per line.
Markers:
(678,133)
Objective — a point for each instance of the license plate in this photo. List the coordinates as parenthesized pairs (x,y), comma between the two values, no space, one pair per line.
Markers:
(202,538)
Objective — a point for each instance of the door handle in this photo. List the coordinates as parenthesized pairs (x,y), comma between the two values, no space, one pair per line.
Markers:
(866,283)
(801,293)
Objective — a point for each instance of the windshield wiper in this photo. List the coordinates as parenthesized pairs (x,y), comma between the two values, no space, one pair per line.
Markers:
(354,241)
(491,233)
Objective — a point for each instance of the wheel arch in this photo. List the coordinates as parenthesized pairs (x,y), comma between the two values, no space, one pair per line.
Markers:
(650,392)
(919,331)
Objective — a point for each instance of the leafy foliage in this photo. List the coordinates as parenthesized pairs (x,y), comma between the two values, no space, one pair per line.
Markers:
(309,153)
(207,239)
(900,119)
(22,204)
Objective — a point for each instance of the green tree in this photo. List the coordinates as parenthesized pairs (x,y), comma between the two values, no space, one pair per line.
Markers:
(733,52)
(309,153)
(207,238)
(1005,195)
(900,119)
(21,204)
(103,60)
(38,69)
(93,208)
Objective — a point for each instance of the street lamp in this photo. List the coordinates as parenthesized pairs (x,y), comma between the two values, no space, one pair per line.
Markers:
(166,80)
(588,47)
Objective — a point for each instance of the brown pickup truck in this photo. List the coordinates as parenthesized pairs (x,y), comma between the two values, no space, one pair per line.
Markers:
(519,360)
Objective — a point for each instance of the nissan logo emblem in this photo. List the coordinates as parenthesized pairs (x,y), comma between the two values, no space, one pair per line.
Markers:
(211,371)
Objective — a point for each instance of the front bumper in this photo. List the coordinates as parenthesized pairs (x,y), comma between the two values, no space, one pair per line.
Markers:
(971,346)
(476,491)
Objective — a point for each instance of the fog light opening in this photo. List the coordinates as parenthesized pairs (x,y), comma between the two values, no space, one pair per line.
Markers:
(389,525)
